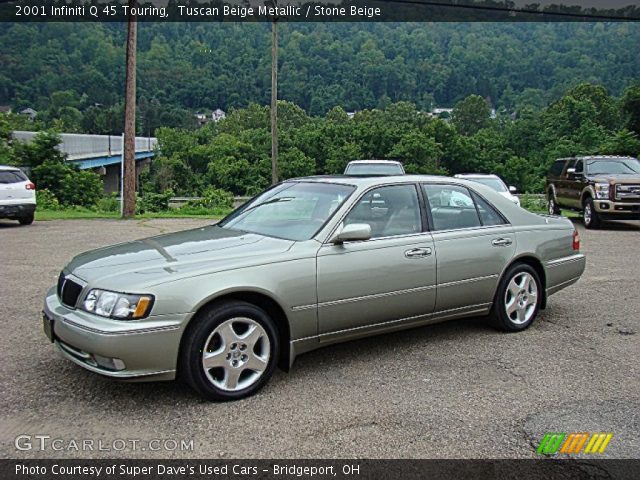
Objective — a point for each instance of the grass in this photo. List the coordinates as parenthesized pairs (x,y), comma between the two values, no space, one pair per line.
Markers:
(85,213)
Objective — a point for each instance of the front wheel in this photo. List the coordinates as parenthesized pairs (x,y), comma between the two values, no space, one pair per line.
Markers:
(517,300)
(230,352)
(590,216)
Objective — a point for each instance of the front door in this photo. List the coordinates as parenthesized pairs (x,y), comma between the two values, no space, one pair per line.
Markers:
(389,278)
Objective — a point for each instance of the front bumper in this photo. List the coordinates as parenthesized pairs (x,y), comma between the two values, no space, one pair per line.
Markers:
(617,210)
(137,350)
(17,210)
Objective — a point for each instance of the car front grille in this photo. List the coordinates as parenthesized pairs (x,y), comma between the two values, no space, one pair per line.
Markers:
(627,192)
(68,291)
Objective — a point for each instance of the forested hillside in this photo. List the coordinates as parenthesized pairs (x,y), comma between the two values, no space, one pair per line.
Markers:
(64,70)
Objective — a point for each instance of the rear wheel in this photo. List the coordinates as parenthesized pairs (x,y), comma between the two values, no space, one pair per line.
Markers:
(230,352)
(517,300)
(590,216)
(26,220)
(554,209)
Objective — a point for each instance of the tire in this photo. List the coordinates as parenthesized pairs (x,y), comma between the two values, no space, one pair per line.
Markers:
(553,207)
(239,342)
(28,220)
(517,300)
(590,217)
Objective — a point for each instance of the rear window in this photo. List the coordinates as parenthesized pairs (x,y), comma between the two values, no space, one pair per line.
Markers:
(556,168)
(12,176)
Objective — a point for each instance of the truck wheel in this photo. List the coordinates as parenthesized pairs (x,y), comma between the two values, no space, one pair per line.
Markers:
(230,351)
(589,214)
(554,209)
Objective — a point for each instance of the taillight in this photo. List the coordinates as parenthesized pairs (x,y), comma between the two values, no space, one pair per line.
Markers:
(30,186)
(576,240)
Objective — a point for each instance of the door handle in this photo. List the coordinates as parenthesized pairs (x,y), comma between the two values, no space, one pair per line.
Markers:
(501,242)
(417,252)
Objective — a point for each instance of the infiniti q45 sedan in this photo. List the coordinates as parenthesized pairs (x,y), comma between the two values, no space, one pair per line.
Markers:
(307,263)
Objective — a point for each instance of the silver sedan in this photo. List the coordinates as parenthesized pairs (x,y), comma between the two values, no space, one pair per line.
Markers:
(307,263)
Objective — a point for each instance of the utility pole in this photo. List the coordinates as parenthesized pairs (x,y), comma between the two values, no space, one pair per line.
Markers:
(129,147)
(274,97)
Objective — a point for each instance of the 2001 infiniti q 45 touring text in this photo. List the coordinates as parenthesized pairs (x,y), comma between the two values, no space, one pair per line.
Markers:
(309,262)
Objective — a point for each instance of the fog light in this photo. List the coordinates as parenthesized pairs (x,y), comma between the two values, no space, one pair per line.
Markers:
(108,362)
(604,206)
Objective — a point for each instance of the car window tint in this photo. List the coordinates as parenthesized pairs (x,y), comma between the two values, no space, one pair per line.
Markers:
(556,168)
(488,214)
(452,207)
(389,211)
(579,166)
(12,176)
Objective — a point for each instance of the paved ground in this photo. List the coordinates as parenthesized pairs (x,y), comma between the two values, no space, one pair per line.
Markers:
(456,390)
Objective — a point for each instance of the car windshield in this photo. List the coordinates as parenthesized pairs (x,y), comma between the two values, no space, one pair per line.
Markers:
(494,183)
(374,169)
(629,166)
(291,210)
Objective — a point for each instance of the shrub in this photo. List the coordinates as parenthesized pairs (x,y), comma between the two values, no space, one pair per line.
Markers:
(68,184)
(110,203)
(154,202)
(82,188)
(213,199)
(534,203)
(47,200)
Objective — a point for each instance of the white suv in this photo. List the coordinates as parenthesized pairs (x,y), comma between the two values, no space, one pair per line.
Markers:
(17,195)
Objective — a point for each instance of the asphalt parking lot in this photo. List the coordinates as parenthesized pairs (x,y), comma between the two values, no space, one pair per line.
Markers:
(453,390)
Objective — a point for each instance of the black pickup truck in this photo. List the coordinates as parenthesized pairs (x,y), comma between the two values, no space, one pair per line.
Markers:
(601,187)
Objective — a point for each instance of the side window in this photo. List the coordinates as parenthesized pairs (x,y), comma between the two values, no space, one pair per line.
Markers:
(556,168)
(488,215)
(452,207)
(579,166)
(391,210)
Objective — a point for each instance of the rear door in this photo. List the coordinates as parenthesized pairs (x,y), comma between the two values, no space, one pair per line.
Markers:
(473,243)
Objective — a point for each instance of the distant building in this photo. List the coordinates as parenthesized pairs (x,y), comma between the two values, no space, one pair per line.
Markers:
(201,118)
(29,112)
(351,115)
(218,115)
(6,109)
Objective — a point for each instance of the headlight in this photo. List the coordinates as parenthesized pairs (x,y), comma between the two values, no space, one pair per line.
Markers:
(602,190)
(117,305)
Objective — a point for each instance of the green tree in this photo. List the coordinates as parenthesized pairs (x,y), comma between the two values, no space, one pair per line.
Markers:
(471,114)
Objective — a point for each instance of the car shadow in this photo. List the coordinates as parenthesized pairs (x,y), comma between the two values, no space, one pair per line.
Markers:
(9,224)
(621,225)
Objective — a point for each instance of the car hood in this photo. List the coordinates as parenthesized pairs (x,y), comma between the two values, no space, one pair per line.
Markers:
(615,178)
(166,257)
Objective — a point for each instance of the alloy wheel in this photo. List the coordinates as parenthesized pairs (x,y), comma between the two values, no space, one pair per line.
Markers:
(520,298)
(236,354)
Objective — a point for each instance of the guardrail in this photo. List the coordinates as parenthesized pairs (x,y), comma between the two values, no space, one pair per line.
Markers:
(177,202)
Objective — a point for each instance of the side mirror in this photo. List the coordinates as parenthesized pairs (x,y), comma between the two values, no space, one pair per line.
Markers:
(352,233)
(570,172)
(512,189)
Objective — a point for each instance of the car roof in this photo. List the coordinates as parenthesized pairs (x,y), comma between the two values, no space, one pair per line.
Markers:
(372,180)
(5,168)
(375,161)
